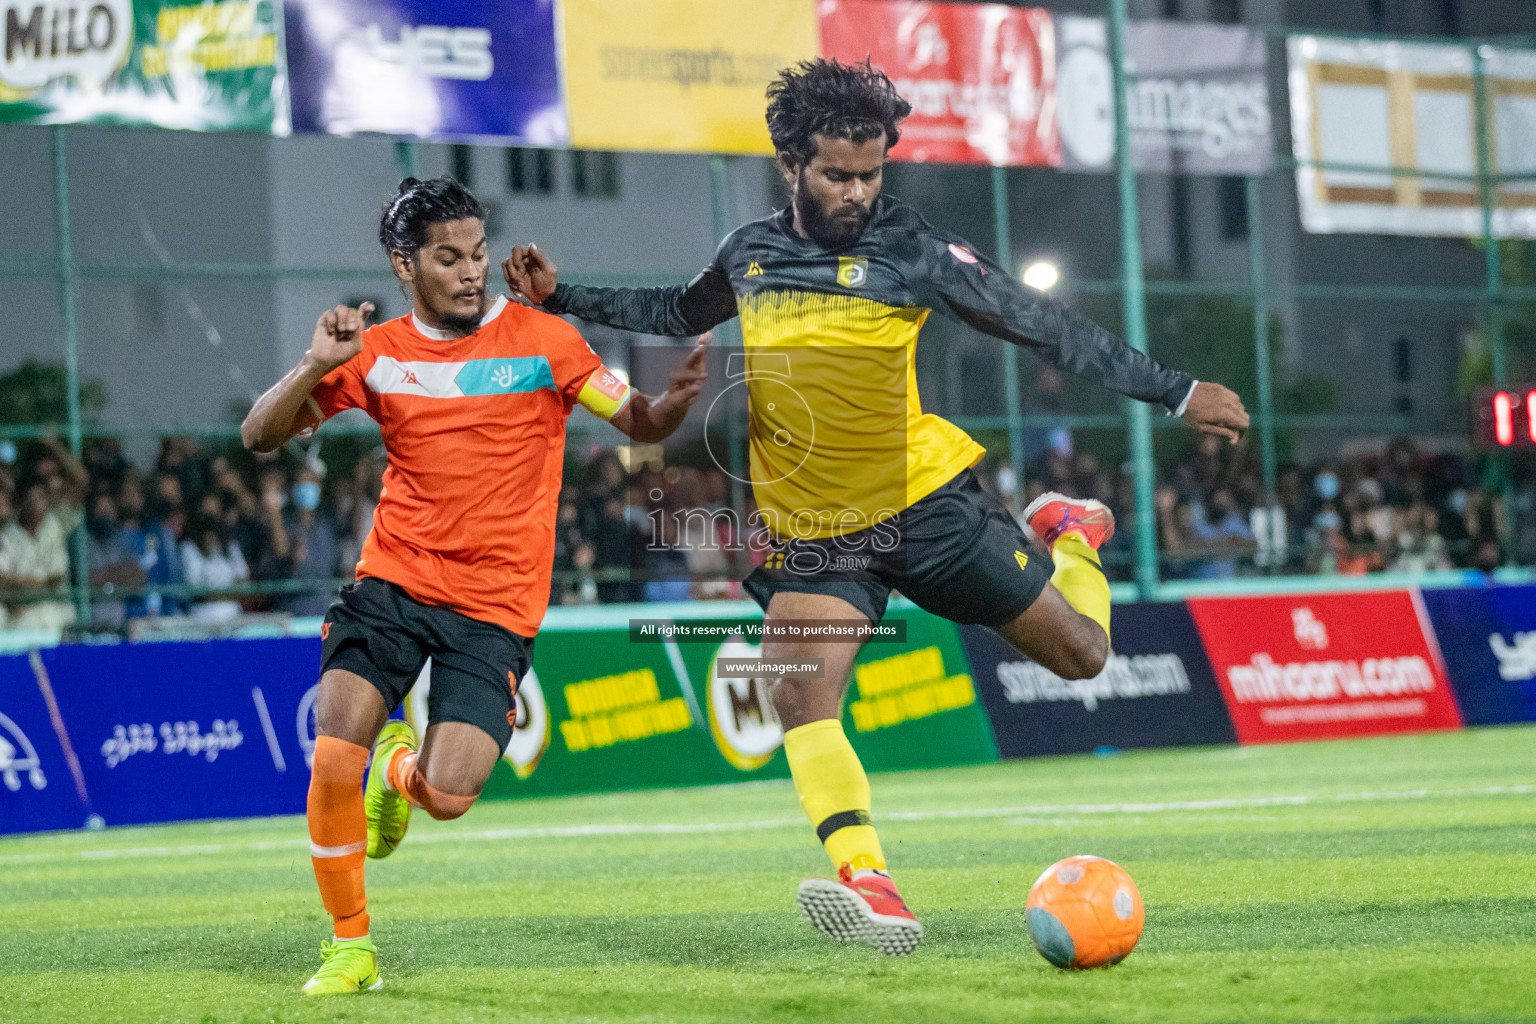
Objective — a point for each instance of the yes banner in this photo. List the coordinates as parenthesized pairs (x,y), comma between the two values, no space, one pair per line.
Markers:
(1317,666)
(1489,639)
(477,68)
(678,76)
(197,65)
(981,78)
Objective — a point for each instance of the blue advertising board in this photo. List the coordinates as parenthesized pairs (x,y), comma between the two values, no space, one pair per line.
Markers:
(425,69)
(1157,690)
(37,788)
(173,731)
(1488,640)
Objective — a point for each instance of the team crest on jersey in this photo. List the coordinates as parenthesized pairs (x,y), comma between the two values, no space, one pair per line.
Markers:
(852,271)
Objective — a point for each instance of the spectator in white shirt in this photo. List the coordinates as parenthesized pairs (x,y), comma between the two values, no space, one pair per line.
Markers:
(208,560)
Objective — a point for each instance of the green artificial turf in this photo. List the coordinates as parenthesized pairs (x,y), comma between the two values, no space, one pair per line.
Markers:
(1374,880)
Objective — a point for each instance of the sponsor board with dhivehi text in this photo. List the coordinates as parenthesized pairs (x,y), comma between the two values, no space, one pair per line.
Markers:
(1326,665)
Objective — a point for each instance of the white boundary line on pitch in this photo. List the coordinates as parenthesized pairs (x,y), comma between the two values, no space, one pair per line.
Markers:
(704,828)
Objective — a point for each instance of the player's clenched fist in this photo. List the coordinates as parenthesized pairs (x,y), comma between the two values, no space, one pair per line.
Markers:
(339,335)
(530,273)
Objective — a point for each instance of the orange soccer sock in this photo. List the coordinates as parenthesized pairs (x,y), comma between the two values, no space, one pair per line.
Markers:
(404,777)
(338,832)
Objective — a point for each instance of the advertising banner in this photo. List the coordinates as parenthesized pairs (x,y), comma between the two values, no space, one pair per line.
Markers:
(980,77)
(678,76)
(1318,666)
(37,787)
(1378,108)
(1157,690)
(1488,637)
(474,69)
(204,66)
(173,731)
(1197,98)
(602,711)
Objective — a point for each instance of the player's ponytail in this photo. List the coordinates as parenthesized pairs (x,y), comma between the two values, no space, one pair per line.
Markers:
(418,204)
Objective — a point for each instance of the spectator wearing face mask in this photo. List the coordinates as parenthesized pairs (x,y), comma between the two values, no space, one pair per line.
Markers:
(310,545)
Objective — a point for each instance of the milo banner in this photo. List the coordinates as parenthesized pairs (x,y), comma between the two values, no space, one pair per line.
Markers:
(980,77)
(605,708)
(204,66)
(1197,97)
(678,76)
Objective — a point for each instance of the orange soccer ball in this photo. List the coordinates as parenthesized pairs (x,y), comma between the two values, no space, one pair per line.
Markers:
(1084,912)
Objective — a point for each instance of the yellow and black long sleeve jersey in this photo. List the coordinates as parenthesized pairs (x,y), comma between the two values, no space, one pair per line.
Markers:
(838,437)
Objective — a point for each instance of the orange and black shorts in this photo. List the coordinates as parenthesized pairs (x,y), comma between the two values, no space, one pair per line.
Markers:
(378,631)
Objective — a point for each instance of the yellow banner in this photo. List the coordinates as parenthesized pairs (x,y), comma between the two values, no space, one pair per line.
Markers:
(679,76)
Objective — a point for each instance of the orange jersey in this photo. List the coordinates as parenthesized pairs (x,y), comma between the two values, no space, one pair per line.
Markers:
(475,430)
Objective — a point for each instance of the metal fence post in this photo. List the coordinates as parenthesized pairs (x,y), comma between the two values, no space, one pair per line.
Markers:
(1134,285)
(1260,286)
(720,211)
(405,158)
(1003,228)
(1487,198)
(80,584)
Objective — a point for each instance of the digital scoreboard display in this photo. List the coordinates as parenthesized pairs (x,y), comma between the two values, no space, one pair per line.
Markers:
(1505,417)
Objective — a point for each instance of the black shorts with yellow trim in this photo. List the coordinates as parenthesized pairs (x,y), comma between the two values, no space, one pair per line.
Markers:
(378,631)
(956,553)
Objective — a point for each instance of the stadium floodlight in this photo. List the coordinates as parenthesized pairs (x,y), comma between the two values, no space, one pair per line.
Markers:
(1041,275)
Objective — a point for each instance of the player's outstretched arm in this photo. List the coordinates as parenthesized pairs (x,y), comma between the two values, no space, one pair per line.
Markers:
(679,311)
(647,418)
(988,298)
(284,411)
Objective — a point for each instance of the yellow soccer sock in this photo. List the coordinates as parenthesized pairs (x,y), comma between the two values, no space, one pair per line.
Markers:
(834,793)
(1080,578)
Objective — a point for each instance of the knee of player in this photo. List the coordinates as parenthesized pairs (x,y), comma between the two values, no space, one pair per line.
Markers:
(1088,655)
(444,805)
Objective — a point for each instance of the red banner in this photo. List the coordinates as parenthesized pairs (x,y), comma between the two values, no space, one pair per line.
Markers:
(981,78)
(1318,666)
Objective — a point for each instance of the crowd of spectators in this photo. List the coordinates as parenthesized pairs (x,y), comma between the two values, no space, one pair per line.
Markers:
(186,536)
(210,531)
(1399,510)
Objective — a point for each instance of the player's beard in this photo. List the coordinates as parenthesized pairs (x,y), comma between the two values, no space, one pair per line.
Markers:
(461,325)
(829,232)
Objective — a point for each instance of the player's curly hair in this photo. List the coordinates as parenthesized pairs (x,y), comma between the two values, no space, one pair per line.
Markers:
(417,204)
(842,101)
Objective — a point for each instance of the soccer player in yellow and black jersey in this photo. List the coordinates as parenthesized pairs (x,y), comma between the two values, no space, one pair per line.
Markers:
(861,490)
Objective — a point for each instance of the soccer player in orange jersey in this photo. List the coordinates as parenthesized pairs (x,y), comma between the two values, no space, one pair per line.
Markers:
(472,394)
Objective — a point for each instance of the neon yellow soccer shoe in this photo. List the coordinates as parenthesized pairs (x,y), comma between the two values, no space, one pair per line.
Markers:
(346,966)
(389,813)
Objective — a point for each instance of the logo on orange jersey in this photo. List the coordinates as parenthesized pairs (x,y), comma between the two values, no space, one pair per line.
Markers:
(410,378)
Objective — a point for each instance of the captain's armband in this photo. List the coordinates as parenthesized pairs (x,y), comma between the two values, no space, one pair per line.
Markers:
(604,395)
